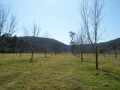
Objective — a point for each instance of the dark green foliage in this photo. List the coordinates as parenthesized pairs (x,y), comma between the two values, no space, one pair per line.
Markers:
(11,44)
(46,44)
(110,47)
(16,45)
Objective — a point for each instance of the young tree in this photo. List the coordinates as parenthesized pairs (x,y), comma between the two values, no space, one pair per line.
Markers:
(21,46)
(79,42)
(27,35)
(115,47)
(72,34)
(15,44)
(46,44)
(35,29)
(94,17)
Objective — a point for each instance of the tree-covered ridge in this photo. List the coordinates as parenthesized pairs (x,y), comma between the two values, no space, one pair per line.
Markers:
(16,44)
(109,47)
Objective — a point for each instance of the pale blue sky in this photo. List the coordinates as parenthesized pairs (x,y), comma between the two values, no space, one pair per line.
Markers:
(58,17)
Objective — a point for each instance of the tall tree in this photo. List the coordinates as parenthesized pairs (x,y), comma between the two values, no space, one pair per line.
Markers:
(4,13)
(94,17)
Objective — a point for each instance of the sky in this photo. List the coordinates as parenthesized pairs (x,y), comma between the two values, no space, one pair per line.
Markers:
(58,17)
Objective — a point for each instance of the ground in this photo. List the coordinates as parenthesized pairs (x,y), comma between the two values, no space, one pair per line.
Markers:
(58,72)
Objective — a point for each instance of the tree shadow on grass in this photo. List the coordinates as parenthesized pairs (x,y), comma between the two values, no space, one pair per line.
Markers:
(115,76)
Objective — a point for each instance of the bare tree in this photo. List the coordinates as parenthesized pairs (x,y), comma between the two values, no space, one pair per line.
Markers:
(4,13)
(35,29)
(94,17)
(27,35)
(12,25)
(46,44)
(72,35)
(8,21)
(79,42)
(116,47)
(26,31)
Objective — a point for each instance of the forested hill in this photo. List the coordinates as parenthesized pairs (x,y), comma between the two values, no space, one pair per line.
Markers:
(41,40)
(110,45)
(15,44)
(46,43)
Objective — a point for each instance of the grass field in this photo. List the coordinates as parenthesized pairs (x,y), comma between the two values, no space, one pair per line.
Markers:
(60,72)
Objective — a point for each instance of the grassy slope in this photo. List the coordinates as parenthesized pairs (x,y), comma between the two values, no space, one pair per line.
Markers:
(63,72)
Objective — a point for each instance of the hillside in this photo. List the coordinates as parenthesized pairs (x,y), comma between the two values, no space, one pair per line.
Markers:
(40,41)
(24,44)
(107,46)
(111,45)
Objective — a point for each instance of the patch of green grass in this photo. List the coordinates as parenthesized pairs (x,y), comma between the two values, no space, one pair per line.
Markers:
(58,72)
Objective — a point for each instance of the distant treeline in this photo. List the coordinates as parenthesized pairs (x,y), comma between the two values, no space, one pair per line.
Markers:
(9,44)
(110,47)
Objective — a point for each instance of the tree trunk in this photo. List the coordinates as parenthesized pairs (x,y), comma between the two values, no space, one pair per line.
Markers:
(45,53)
(109,53)
(78,54)
(20,53)
(81,52)
(81,57)
(31,55)
(116,53)
(96,57)
(72,49)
